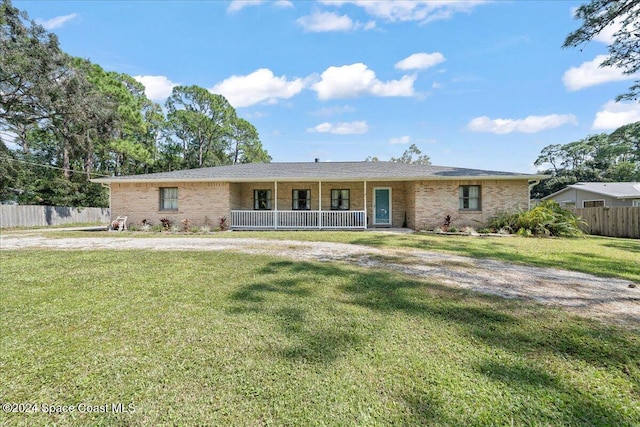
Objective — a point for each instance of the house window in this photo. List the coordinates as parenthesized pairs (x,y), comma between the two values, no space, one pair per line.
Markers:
(592,203)
(469,197)
(169,198)
(636,203)
(340,200)
(262,200)
(301,199)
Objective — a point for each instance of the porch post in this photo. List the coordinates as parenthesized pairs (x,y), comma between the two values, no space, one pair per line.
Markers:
(320,205)
(275,211)
(365,204)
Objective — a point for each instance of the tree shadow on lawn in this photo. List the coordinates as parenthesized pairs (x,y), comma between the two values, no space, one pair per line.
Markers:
(597,265)
(581,262)
(631,245)
(583,408)
(526,330)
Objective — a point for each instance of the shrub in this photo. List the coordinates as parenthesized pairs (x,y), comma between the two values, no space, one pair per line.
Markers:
(546,219)
(223,223)
(186,224)
(166,223)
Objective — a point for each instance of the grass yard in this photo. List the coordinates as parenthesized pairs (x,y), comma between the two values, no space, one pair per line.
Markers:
(601,256)
(195,338)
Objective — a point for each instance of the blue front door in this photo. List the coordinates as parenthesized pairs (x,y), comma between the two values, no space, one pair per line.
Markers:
(382,206)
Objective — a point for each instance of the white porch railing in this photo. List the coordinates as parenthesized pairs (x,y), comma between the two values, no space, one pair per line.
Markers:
(252,219)
(299,220)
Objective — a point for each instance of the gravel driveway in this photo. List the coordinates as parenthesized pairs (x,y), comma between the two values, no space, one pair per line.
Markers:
(612,299)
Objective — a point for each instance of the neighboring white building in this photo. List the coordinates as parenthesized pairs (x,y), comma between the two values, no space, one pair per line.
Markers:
(594,194)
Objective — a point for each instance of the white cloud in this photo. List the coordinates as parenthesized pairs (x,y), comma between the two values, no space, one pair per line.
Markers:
(401,140)
(259,86)
(57,22)
(530,124)
(369,25)
(606,35)
(350,128)
(354,80)
(283,3)
(436,85)
(320,22)
(616,114)
(591,74)
(157,88)
(414,10)
(237,5)
(420,61)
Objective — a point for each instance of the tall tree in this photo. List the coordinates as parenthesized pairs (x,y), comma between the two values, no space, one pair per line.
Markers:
(201,122)
(204,130)
(245,144)
(31,63)
(624,51)
(71,119)
(602,157)
(408,156)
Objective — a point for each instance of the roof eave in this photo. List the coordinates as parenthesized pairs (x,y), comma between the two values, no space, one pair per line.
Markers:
(305,179)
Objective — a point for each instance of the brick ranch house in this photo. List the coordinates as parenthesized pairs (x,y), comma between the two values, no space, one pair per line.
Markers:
(340,195)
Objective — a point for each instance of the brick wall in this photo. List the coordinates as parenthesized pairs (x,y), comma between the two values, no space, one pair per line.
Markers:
(425,203)
(436,199)
(196,201)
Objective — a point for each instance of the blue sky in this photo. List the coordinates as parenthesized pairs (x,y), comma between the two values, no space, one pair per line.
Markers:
(476,84)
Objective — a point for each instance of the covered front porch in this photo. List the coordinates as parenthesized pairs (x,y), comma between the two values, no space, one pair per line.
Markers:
(312,205)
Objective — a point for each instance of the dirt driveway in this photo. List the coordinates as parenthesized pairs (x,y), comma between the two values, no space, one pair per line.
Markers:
(611,299)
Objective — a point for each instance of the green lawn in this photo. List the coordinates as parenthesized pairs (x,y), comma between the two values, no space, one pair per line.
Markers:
(195,338)
(601,256)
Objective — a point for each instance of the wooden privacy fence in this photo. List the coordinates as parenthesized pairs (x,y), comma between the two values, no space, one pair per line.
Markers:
(615,221)
(34,216)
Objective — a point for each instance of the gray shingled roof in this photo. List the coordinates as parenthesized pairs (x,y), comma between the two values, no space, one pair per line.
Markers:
(618,190)
(339,171)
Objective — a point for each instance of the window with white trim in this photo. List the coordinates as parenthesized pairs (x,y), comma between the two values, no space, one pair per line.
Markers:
(168,198)
(340,200)
(301,200)
(262,200)
(469,196)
